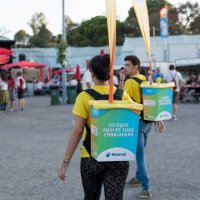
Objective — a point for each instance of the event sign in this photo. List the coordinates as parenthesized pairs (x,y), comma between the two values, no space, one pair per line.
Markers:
(157,101)
(114,132)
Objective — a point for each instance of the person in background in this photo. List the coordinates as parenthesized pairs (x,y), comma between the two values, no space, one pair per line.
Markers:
(87,82)
(93,174)
(169,77)
(193,79)
(3,92)
(34,82)
(11,91)
(38,88)
(132,87)
(158,76)
(115,79)
(145,73)
(20,85)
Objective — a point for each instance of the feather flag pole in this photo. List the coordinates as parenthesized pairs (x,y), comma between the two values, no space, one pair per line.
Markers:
(111,23)
(141,12)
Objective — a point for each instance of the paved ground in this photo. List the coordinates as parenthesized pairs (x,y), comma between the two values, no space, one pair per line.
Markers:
(32,145)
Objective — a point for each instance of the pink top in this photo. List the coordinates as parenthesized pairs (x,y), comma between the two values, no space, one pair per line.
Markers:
(11,83)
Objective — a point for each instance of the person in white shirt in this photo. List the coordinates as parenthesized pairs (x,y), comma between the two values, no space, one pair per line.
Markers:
(20,85)
(38,88)
(171,76)
(87,80)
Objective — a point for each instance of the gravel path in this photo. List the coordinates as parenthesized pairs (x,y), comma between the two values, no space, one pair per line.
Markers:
(33,142)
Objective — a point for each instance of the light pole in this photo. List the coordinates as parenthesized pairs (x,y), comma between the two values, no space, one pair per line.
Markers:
(64,88)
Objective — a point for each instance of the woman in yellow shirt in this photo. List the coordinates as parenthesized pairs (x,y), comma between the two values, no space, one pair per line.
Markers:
(111,174)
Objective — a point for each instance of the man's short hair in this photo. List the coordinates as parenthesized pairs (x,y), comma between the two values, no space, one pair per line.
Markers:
(172,67)
(133,59)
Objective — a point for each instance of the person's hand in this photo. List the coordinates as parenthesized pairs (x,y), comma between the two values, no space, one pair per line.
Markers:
(122,75)
(63,170)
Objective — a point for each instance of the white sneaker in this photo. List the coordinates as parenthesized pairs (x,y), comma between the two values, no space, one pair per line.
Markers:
(145,194)
(174,118)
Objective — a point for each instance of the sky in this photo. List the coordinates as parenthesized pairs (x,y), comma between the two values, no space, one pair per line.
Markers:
(15,14)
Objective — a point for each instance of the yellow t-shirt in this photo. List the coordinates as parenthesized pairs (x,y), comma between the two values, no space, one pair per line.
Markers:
(82,109)
(132,87)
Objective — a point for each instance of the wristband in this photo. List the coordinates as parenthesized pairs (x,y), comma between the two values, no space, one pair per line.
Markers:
(66,160)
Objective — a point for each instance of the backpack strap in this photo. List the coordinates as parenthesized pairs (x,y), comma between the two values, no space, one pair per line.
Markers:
(93,93)
(138,80)
(173,77)
(97,96)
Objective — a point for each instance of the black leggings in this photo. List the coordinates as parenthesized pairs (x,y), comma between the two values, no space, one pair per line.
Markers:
(111,174)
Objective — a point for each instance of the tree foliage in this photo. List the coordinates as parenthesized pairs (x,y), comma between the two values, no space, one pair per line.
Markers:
(21,38)
(42,37)
(61,54)
(189,14)
(182,19)
(94,32)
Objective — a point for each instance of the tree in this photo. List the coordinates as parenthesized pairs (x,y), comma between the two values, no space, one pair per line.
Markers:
(70,24)
(131,24)
(188,12)
(42,37)
(61,55)
(21,38)
(37,20)
(194,26)
(94,32)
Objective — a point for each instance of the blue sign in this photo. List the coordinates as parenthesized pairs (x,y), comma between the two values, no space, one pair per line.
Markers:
(164,27)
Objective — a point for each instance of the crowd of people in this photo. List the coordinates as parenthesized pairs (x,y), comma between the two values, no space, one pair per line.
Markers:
(11,87)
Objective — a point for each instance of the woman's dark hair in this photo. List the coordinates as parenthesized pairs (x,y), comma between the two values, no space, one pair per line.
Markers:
(9,75)
(19,73)
(133,59)
(4,77)
(100,66)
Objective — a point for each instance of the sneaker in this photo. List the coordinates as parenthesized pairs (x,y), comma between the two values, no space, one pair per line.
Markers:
(174,118)
(133,182)
(145,194)
(11,109)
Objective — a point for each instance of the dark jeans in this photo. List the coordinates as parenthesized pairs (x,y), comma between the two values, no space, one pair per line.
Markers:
(3,106)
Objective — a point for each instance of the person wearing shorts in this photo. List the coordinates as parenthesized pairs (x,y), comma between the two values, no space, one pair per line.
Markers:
(169,77)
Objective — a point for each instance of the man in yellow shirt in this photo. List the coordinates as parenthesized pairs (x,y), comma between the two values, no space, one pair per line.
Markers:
(132,87)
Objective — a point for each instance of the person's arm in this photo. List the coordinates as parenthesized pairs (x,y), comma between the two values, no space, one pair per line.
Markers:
(73,142)
(180,84)
(121,78)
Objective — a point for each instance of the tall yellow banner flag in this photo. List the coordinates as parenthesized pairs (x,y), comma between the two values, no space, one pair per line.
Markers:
(111,23)
(141,12)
